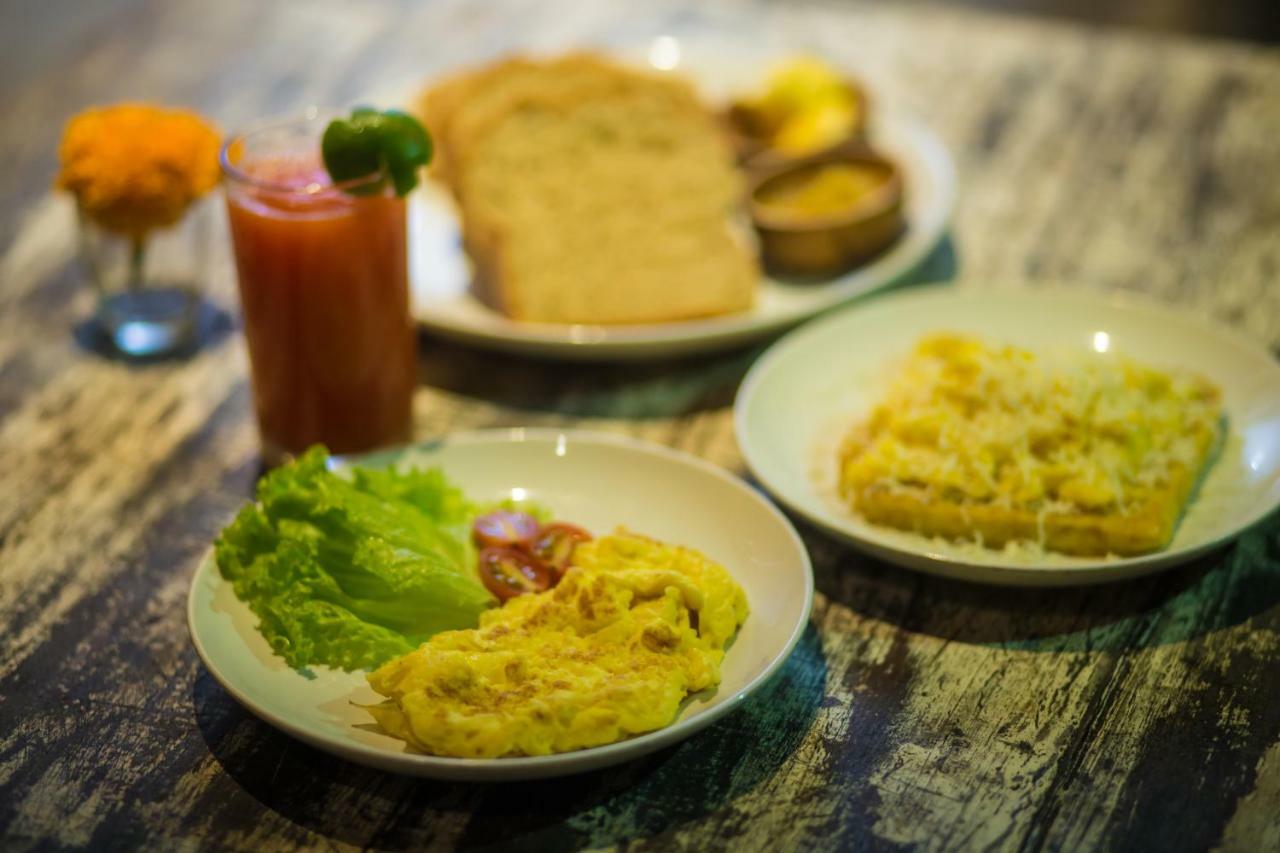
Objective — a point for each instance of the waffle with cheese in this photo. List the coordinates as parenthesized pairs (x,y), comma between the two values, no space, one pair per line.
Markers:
(592,193)
(1084,455)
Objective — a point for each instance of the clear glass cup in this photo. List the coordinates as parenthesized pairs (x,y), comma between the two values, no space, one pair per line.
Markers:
(149,288)
(324,288)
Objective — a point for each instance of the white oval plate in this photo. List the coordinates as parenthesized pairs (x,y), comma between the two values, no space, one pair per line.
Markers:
(440,271)
(805,391)
(598,481)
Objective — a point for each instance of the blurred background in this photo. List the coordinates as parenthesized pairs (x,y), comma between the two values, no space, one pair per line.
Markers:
(1250,20)
(35,33)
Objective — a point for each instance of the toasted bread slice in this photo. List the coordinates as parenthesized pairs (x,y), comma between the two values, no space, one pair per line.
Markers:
(592,193)
(1145,528)
(989,445)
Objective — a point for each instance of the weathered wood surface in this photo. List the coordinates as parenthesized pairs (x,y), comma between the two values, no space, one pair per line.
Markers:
(916,713)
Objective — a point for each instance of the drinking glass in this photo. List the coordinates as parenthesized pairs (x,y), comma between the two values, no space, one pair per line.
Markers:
(323,277)
(148,287)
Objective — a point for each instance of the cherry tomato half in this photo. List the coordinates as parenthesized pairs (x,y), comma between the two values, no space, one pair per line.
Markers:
(508,572)
(504,528)
(555,544)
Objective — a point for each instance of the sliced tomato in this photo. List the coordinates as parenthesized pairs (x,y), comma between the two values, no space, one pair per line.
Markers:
(504,528)
(556,542)
(508,572)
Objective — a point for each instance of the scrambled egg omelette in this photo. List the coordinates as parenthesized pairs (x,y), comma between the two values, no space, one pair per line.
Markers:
(633,627)
(1084,455)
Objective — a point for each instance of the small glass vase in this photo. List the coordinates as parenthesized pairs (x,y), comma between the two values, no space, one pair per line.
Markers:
(149,288)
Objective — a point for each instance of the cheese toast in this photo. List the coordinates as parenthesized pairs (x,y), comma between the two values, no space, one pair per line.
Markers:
(1089,455)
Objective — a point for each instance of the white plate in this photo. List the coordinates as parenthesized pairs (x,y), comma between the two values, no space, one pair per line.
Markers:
(440,271)
(598,481)
(808,388)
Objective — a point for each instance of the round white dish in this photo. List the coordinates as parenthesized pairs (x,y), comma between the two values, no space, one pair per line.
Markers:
(440,271)
(798,399)
(598,481)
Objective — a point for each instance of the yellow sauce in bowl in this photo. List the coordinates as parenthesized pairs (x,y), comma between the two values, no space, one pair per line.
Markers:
(828,214)
(822,190)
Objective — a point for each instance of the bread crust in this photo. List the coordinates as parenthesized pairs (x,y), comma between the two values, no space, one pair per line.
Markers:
(1143,529)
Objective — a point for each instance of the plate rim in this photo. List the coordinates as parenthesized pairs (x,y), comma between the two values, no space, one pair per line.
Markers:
(544,766)
(657,340)
(980,568)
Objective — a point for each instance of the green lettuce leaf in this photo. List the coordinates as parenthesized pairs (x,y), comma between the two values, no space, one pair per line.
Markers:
(351,572)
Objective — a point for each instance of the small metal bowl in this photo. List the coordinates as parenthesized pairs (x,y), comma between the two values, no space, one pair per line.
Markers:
(799,243)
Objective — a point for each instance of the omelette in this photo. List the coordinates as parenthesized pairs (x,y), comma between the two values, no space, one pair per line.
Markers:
(632,628)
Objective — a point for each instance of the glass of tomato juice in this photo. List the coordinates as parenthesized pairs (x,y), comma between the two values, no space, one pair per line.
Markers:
(323,272)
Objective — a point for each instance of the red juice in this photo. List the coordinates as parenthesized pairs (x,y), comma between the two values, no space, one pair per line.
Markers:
(324,289)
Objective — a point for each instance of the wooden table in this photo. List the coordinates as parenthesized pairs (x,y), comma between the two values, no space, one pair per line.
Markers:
(916,712)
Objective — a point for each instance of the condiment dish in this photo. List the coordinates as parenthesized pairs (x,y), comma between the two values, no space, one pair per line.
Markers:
(807,229)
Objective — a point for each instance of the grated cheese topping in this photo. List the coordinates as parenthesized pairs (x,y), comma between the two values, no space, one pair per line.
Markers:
(976,424)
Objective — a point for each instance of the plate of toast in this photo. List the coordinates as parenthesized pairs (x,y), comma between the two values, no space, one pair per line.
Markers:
(951,430)
(599,206)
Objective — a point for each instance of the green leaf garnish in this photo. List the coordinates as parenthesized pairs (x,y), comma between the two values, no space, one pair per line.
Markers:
(351,571)
(390,143)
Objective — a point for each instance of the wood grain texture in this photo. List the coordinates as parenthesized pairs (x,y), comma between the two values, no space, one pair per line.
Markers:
(916,713)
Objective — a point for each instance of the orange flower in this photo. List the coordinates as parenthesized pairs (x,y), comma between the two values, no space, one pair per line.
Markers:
(135,167)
